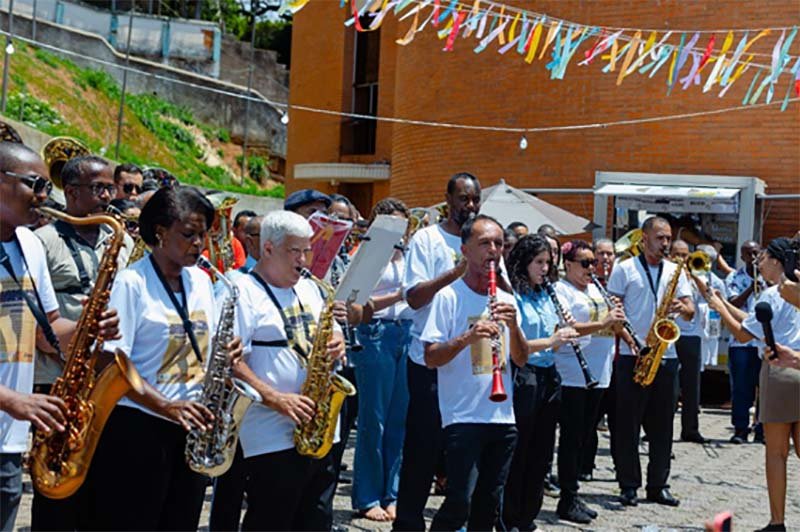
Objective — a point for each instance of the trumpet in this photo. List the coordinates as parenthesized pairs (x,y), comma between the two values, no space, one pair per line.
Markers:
(699,262)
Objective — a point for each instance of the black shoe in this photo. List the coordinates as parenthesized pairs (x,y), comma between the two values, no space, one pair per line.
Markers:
(694,438)
(628,497)
(758,437)
(773,528)
(550,489)
(585,477)
(739,437)
(571,511)
(588,511)
(663,496)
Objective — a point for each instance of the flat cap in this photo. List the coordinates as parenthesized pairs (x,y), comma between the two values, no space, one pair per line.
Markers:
(299,198)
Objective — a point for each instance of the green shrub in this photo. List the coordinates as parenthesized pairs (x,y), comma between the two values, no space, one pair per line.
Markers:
(98,80)
(34,112)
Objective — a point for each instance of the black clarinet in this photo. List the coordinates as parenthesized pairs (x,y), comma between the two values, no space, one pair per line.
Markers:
(641,348)
(591,382)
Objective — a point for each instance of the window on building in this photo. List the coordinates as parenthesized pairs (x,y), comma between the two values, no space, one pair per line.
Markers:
(358,134)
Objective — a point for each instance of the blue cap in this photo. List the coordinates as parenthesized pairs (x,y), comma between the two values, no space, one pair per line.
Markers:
(299,198)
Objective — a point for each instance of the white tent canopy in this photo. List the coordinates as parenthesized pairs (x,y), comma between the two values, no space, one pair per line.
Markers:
(508,204)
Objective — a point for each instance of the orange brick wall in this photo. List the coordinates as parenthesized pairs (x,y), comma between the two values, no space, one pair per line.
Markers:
(422,82)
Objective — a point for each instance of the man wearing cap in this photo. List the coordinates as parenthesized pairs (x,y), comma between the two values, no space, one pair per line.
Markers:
(306,202)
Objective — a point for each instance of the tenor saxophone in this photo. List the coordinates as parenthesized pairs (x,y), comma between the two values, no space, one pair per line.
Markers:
(211,451)
(326,388)
(663,333)
(59,461)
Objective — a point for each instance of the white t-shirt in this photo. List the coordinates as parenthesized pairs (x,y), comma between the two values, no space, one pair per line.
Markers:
(265,430)
(598,348)
(391,280)
(432,252)
(785,320)
(629,281)
(152,331)
(466,381)
(695,326)
(18,328)
(736,283)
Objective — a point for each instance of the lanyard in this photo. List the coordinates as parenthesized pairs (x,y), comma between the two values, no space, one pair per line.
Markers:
(187,323)
(36,306)
(69,235)
(653,287)
(287,328)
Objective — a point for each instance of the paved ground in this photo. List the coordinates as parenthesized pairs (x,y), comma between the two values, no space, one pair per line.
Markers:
(707,478)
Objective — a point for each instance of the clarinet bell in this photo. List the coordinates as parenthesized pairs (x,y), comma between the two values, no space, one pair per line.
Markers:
(352,340)
(498,394)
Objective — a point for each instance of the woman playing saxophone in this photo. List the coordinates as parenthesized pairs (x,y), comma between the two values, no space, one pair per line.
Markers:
(167,317)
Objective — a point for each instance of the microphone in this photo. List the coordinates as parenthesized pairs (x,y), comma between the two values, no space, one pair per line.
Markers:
(764,317)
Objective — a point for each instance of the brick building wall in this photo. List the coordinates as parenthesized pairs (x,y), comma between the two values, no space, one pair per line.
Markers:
(420,81)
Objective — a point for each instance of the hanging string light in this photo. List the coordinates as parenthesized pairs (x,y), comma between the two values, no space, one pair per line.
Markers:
(523,143)
(285,118)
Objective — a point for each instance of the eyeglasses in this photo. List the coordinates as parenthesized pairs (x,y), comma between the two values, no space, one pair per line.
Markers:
(585,263)
(37,183)
(97,188)
(130,188)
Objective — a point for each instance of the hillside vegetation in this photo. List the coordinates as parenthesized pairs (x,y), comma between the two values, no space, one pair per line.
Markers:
(57,97)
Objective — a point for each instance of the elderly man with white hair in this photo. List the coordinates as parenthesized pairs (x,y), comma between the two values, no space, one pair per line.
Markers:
(277,314)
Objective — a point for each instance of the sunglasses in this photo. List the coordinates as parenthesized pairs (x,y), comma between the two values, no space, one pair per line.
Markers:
(97,189)
(130,188)
(585,263)
(37,183)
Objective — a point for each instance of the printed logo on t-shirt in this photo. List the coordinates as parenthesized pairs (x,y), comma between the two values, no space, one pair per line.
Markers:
(598,310)
(17,324)
(303,329)
(179,364)
(481,351)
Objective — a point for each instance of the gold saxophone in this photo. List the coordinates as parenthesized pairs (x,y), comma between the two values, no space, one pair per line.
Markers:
(59,461)
(663,333)
(326,388)
(138,251)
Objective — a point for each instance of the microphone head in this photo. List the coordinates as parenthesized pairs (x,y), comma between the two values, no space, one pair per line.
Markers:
(763,312)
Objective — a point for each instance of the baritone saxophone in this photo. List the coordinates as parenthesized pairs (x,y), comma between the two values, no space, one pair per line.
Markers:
(326,388)
(59,461)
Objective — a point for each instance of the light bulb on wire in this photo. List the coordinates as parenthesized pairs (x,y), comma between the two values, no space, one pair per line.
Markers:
(523,143)
(10,48)
(285,117)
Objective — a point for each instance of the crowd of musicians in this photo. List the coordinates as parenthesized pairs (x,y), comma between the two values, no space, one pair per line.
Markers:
(465,314)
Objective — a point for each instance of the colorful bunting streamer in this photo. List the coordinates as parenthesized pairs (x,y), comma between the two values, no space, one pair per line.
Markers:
(625,51)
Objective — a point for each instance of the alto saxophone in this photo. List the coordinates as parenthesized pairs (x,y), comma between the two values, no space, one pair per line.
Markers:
(211,452)
(663,333)
(326,388)
(59,461)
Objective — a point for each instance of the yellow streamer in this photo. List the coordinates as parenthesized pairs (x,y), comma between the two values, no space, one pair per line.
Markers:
(613,56)
(445,31)
(537,33)
(473,12)
(632,50)
(412,31)
(672,66)
(551,34)
(501,37)
(513,31)
(727,44)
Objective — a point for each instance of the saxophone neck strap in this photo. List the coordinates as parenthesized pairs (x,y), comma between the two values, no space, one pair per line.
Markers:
(69,235)
(188,327)
(34,302)
(290,341)
(646,268)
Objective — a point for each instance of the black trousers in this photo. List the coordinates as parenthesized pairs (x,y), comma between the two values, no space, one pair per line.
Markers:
(690,354)
(652,407)
(608,408)
(226,502)
(287,491)
(478,457)
(139,479)
(537,396)
(577,420)
(421,448)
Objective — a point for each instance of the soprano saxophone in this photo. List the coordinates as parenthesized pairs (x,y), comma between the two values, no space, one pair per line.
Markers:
(59,461)
(211,452)
(322,385)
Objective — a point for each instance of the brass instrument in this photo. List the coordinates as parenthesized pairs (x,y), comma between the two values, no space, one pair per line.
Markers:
(629,245)
(211,452)
(138,251)
(219,239)
(9,134)
(326,388)
(663,333)
(57,152)
(59,461)
(698,262)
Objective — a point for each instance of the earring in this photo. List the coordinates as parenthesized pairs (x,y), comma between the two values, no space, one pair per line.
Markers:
(159,241)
